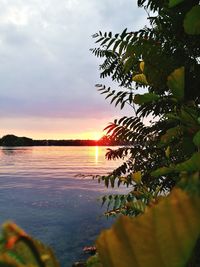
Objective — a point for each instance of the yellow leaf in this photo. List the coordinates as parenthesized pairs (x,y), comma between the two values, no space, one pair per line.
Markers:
(176,83)
(164,235)
(142,66)
(123,179)
(167,152)
(137,176)
(140,78)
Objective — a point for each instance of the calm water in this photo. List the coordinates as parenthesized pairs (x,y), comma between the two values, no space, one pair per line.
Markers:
(40,191)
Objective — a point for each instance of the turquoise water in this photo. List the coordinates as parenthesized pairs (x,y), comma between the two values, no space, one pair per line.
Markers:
(40,191)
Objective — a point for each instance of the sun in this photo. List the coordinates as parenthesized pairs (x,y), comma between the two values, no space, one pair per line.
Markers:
(96,136)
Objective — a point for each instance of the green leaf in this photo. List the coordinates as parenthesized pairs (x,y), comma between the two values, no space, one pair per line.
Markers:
(164,235)
(173,3)
(190,165)
(192,21)
(21,249)
(145,98)
(140,78)
(161,171)
(8,261)
(137,205)
(190,183)
(187,146)
(171,134)
(187,116)
(93,261)
(128,64)
(176,83)
(196,139)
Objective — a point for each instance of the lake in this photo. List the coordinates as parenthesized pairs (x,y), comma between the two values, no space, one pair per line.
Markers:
(40,191)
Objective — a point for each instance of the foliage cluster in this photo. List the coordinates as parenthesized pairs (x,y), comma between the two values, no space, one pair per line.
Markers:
(161,160)
(162,60)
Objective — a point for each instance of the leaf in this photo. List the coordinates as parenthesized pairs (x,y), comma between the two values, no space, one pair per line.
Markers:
(20,249)
(128,64)
(123,33)
(161,171)
(93,261)
(137,205)
(164,235)
(137,176)
(186,116)
(190,182)
(176,83)
(171,134)
(167,152)
(187,146)
(140,78)
(190,165)
(116,45)
(192,21)
(145,98)
(142,66)
(196,139)
(8,261)
(111,42)
(173,3)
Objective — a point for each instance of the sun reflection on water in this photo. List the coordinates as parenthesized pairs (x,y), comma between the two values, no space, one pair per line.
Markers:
(96,154)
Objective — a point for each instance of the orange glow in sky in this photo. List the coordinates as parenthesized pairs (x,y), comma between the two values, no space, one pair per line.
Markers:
(61,129)
(57,136)
(83,135)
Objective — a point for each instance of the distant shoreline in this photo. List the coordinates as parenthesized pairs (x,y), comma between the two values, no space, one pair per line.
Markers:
(13,140)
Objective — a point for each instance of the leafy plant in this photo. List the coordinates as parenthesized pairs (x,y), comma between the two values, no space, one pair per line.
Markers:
(161,160)
(164,60)
(17,249)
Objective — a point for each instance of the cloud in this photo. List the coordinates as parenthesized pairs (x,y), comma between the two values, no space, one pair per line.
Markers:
(46,68)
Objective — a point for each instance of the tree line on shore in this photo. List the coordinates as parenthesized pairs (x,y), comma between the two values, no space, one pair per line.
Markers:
(13,140)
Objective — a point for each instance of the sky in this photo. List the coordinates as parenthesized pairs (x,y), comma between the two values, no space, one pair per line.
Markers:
(48,74)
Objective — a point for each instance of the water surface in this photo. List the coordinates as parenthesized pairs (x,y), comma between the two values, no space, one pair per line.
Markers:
(40,191)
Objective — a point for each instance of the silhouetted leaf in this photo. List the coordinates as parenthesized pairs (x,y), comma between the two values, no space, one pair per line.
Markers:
(192,21)
(196,139)
(145,98)
(173,3)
